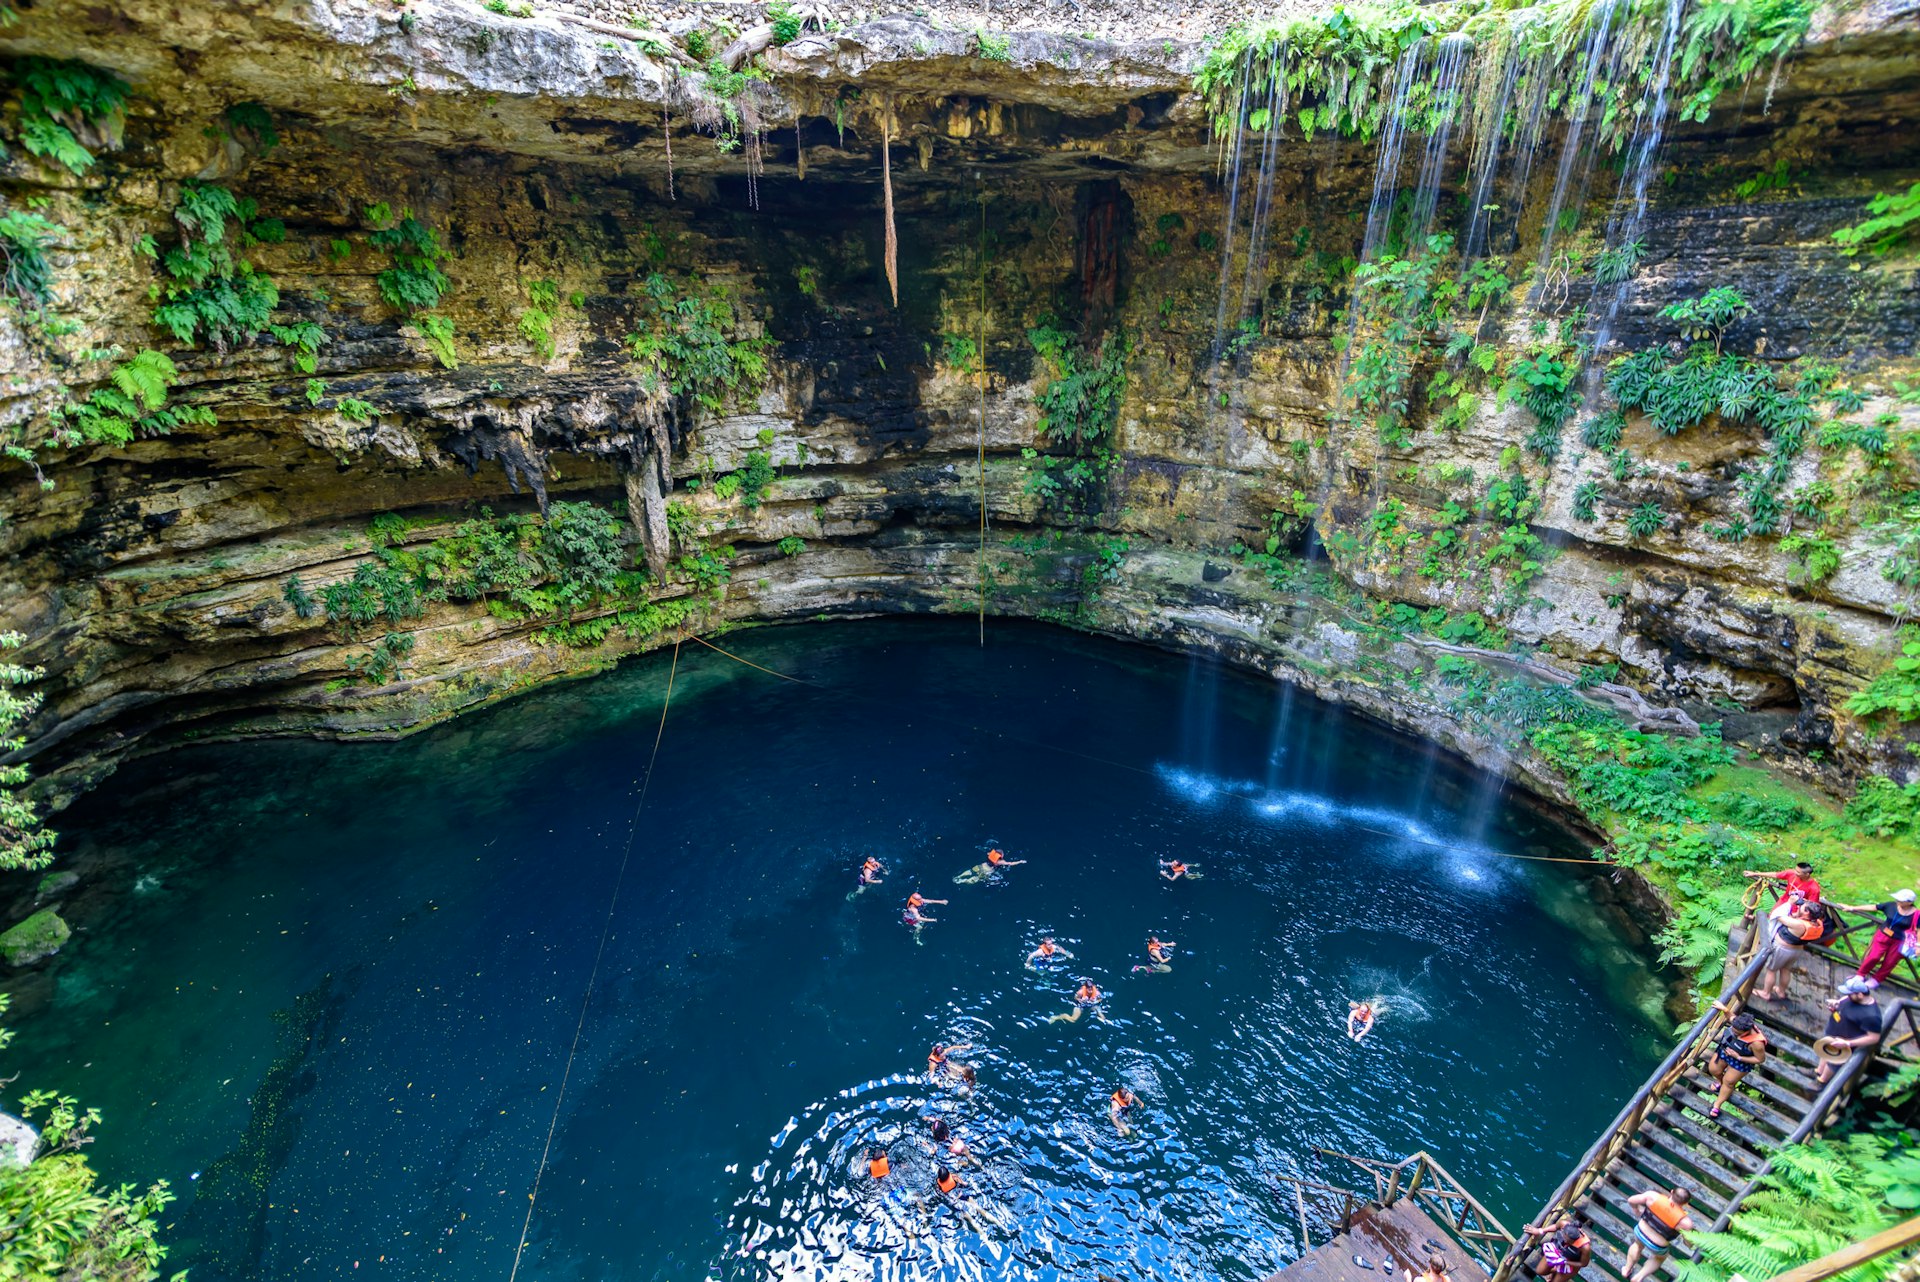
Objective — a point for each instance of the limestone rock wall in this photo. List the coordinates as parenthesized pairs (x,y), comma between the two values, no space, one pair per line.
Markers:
(1074,182)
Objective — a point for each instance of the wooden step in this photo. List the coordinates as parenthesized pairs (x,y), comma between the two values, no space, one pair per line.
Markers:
(1731,1122)
(1703,1133)
(1694,1162)
(1640,1163)
(1760,1111)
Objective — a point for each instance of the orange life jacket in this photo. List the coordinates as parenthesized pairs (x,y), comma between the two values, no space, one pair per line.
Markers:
(915,900)
(1122,1099)
(1156,950)
(1087,993)
(995,857)
(1667,1212)
(1046,947)
(1363,1012)
(1176,867)
(878,1167)
(936,1057)
(949,1183)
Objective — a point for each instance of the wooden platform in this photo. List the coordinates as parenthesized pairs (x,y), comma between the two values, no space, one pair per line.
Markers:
(1396,1237)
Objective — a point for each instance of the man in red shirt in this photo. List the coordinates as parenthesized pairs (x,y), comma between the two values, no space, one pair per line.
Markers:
(1798,880)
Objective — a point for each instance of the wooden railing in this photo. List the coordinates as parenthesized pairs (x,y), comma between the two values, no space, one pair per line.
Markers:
(1330,1204)
(1849,946)
(1446,1203)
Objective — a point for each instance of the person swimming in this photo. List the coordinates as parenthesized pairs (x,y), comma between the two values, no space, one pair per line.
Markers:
(877,1164)
(1119,1103)
(996,860)
(1046,954)
(1174,870)
(944,1138)
(1085,998)
(938,1064)
(1360,1016)
(872,872)
(914,917)
(1159,956)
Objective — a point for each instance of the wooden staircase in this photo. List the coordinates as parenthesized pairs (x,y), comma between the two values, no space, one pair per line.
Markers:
(1716,1159)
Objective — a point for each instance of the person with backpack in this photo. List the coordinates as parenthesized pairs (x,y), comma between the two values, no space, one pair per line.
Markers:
(1896,939)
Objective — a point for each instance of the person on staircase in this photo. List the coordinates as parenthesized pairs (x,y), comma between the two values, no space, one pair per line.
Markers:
(1854,1021)
(1663,1218)
(1565,1247)
(1797,928)
(1741,1049)
(1898,935)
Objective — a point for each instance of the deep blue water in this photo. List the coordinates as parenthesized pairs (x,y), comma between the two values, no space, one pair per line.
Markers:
(335,997)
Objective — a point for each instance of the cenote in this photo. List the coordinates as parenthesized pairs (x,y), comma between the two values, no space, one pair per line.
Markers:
(335,994)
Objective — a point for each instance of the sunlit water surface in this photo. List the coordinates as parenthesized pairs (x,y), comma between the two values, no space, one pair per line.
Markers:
(335,995)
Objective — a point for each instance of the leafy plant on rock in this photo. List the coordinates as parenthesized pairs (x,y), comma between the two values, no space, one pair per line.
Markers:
(690,345)
(414,283)
(67,109)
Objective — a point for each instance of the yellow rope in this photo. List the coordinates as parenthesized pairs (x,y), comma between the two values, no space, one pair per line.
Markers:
(606,930)
(893,707)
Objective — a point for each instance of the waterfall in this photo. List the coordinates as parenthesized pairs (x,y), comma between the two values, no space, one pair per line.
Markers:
(1642,150)
(1386,169)
(1450,68)
(1601,59)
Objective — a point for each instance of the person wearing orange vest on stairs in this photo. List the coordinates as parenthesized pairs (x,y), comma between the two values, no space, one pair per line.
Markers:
(1791,935)
(1741,1049)
(1663,1218)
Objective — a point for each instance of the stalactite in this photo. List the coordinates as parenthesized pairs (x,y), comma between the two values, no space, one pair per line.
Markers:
(799,151)
(886,185)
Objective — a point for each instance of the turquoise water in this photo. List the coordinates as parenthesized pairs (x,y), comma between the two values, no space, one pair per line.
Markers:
(334,999)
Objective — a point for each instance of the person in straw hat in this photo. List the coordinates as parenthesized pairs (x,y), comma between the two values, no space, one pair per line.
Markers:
(1854,1022)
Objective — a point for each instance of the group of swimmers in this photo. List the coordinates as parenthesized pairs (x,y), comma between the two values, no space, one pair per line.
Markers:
(945,1070)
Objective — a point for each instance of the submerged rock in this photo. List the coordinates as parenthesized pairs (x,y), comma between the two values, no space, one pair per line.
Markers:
(55,884)
(35,939)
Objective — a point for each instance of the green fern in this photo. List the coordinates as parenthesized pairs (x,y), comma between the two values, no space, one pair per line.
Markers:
(56,98)
(306,338)
(438,333)
(147,378)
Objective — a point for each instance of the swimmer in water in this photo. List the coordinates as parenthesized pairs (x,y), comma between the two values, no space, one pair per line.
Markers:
(1359,1019)
(937,1060)
(1159,956)
(1085,998)
(1118,1105)
(912,915)
(956,1148)
(877,1165)
(996,860)
(1174,870)
(872,872)
(1046,954)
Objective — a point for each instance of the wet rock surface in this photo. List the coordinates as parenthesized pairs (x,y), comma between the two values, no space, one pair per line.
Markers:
(151,580)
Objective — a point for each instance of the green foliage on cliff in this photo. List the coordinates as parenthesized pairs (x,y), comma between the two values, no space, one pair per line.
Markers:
(1333,71)
(520,567)
(691,344)
(1079,412)
(61,1223)
(24,841)
(62,101)
(415,282)
(1895,690)
(1892,223)
(131,406)
(536,320)
(212,294)
(24,270)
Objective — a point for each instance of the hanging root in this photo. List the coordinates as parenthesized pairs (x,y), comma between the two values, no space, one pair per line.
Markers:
(886,186)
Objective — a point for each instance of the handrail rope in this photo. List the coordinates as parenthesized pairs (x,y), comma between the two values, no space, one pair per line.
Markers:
(980,558)
(1107,761)
(586,998)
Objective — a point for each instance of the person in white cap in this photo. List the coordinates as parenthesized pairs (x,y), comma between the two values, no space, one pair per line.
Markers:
(1855,1020)
(1898,936)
